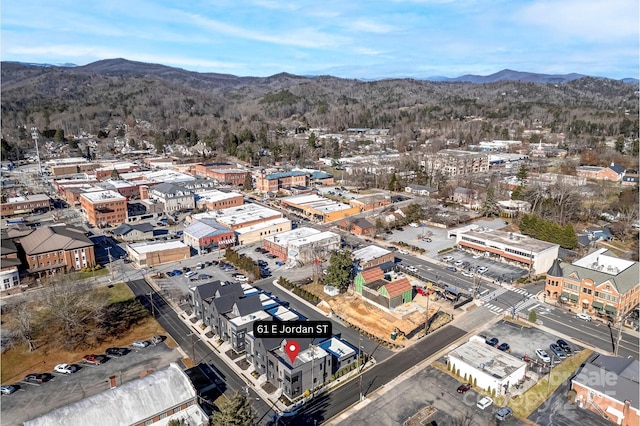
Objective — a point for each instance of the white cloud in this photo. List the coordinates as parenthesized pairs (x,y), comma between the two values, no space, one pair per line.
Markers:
(590,20)
(367,51)
(370,27)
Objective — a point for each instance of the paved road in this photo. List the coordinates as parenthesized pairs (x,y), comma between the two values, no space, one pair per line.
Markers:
(326,406)
(196,348)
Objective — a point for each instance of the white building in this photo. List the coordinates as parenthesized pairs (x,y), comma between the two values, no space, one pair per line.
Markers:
(486,366)
(535,255)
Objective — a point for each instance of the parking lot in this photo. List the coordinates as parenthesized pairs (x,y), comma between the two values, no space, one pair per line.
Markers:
(428,387)
(496,271)
(34,399)
(523,341)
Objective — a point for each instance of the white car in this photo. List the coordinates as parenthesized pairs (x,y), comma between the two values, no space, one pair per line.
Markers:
(482,269)
(458,262)
(403,252)
(140,344)
(190,274)
(412,268)
(65,369)
(467,274)
(543,355)
(241,278)
(484,403)
(583,316)
(447,258)
(413,225)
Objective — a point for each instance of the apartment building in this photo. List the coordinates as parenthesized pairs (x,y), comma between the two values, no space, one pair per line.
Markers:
(174,197)
(453,162)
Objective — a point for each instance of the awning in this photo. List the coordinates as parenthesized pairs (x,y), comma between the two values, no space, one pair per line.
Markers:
(565,294)
(573,297)
(597,305)
(610,309)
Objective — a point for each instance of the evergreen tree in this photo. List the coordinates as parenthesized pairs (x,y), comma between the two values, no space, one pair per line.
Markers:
(248,182)
(340,269)
(569,237)
(235,411)
(490,207)
(393,183)
(517,193)
(522,174)
(312,140)
(59,136)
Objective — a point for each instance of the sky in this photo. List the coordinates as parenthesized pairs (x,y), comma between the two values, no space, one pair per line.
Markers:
(364,39)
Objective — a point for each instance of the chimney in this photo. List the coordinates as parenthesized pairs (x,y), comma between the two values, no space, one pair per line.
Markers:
(112,382)
(144,192)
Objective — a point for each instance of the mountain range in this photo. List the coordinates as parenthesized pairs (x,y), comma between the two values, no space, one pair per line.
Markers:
(124,66)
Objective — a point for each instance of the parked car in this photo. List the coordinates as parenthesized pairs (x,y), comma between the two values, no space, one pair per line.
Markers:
(241,278)
(482,269)
(94,359)
(493,342)
(190,274)
(504,413)
(484,403)
(177,272)
(203,277)
(262,263)
(169,274)
(271,256)
(8,389)
(392,248)
(65,369)
(583,316)
(36,378)
(186,269)
(117,351)
(543,355)
(504,347)
(403,252)
(464,387)
(458,263)
(565,346)
(426,240)
(451,269)
(140,344)
(447,259)
(414,225)
(467,274)
(557,350)
(412,268)
(259,250)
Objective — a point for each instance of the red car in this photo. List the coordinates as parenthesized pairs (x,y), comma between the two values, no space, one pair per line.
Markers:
(464,387)
(93,359)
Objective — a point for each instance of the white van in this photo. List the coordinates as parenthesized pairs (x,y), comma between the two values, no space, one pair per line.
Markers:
(190,274)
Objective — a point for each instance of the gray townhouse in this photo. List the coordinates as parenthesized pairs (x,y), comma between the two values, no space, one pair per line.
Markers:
(174,197)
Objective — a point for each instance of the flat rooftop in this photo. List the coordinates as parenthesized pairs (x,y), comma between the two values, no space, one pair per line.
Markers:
(488,359)
(283,314)
(320,204)
(321,236)
(255,316)
(511,239)
(262,225)
(158,176)
(240,214)
(601,262)
(369,253)
(153,246)
(284,238)
(337,347)
(216,195)
(103,196)
(27,198)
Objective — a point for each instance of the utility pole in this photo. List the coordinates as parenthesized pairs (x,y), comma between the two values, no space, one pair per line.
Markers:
(110,265)
(615,351)
(153,313)
(360,358)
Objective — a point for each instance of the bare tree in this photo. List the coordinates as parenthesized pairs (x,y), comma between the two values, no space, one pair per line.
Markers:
(566,199)
(24,329)
(72,310)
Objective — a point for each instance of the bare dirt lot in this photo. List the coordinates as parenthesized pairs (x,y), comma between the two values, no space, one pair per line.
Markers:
(367,316)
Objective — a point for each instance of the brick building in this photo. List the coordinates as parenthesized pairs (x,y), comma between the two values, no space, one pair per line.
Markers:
(273,182)
(25,204)
(103,208)
(57,249)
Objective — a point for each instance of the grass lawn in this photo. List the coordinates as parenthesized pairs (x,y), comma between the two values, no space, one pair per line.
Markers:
(17,361)
(525,404)
(90,274)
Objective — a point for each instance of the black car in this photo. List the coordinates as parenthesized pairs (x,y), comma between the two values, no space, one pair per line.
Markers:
(564,346)
(392,248)
(36,378)
(493,342)
(259,249)
(504,347)
(117,351)
(262,262)
(186,269)
(451,269)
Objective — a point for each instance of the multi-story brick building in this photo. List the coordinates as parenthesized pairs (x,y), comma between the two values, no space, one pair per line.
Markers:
(55,249)
(217,200)
(25,204)
(103,208)
(453,162)
(207,234)
(273,182)
(233,177)
(599,283)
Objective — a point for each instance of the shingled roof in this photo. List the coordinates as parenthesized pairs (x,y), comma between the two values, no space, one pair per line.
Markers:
(372,274)
(52,238)
(397,287)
